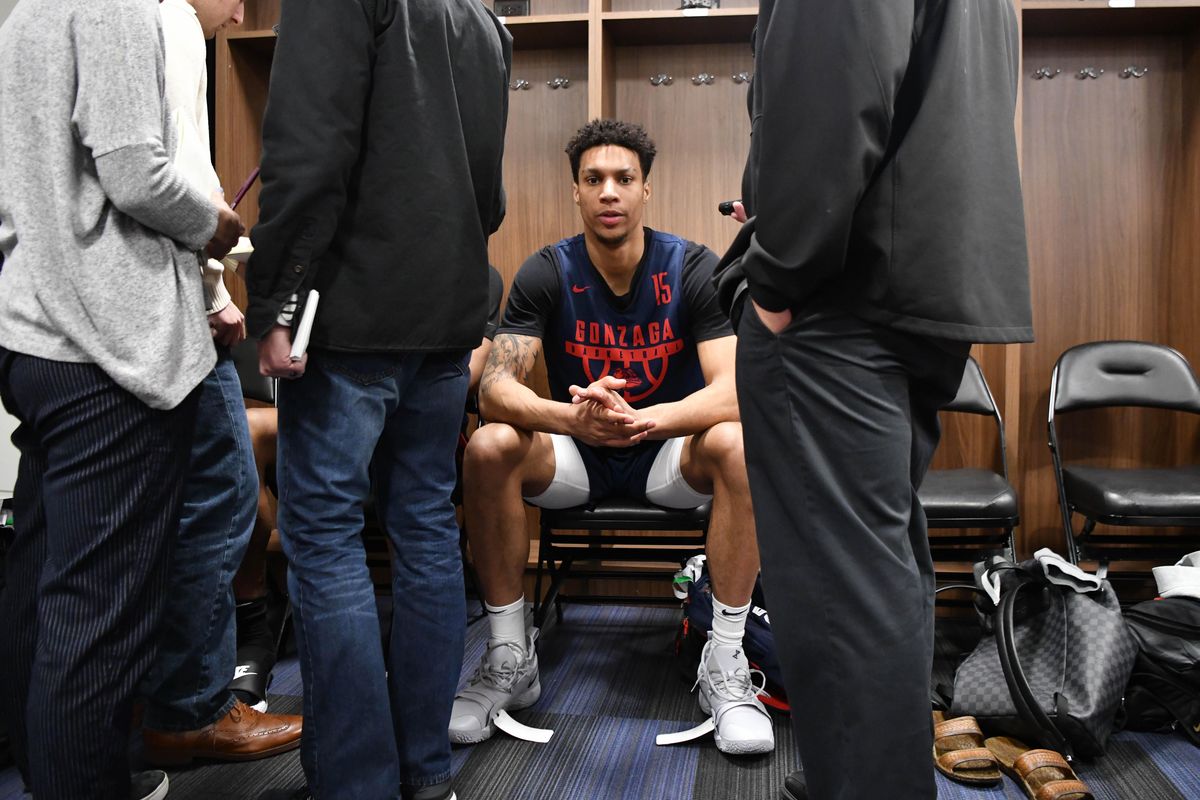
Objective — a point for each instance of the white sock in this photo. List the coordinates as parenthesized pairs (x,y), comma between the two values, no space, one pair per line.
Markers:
(729,623)
(507,623)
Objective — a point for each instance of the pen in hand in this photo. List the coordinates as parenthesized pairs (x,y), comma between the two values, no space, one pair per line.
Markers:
(237,198)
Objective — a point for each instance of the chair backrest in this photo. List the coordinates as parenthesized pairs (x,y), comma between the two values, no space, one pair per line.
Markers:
(254,385)
(1100,374)
(973,396)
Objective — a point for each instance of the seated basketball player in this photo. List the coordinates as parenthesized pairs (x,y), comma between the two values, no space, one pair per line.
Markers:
(641,368)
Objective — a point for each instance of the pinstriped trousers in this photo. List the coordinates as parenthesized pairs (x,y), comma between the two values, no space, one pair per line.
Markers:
(96,509)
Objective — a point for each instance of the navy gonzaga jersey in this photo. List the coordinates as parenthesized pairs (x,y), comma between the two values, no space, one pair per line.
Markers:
(648,343)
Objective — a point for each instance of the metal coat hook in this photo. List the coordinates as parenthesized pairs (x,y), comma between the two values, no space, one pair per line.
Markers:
(662,79)
(1089,72)
(742,77)
(518,84)
(1134,72)
(559,83)
(703,79)
(1045,72)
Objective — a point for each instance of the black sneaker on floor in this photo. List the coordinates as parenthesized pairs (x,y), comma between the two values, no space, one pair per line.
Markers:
(438,791)
(252,676)
(256,649)
(149,785)
(794,787)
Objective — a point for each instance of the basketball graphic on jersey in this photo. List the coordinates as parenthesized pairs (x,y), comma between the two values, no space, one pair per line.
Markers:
(643,369)
(632,381)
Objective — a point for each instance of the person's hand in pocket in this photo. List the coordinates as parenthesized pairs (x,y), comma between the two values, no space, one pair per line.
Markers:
(775,321)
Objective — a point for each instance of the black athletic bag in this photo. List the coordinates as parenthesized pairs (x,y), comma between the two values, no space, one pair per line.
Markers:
(1164,692)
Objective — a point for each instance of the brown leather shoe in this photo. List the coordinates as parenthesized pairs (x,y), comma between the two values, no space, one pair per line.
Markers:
(241,735)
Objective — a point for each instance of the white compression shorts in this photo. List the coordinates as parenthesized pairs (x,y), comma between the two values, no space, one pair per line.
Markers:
(665,484)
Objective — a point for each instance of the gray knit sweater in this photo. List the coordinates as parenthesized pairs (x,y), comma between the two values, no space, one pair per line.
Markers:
(97,230)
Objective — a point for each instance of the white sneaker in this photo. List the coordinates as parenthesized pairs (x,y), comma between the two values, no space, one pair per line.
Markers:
(507,678)
(149,785)
(728,693)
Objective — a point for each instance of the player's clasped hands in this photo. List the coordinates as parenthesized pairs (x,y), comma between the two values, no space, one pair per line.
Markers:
(604,419)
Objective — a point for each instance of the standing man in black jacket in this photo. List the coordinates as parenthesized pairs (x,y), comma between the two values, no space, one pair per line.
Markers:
(888,236)
(382,149)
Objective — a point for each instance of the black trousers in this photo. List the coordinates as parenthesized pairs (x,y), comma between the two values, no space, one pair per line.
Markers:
(96,509)
(840,423)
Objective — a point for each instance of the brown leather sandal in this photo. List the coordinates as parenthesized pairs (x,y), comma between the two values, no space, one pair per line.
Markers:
(958,754)
(1043,774)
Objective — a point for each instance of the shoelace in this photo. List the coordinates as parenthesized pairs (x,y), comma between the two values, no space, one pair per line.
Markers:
(730,685)
(505,674)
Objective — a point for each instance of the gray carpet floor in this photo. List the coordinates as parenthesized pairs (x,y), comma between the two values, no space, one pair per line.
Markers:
(610,684)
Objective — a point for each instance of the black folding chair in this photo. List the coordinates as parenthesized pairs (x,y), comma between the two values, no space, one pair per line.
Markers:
(1125,374)
(978,500)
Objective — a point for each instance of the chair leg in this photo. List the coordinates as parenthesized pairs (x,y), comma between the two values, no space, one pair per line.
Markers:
(1081,543)
(558,574)
(1072,545)
(469,582)
(543,562)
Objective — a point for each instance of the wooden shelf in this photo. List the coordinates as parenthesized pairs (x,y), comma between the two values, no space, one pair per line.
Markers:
(548,31)
(253,41)
(529,33)
(256,34)
(1098,17)
(679,27)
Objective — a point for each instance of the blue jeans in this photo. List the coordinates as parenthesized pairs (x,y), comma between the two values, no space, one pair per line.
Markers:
(366,731)
(188,686)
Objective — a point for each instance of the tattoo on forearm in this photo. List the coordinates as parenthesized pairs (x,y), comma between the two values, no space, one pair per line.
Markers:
(511,358)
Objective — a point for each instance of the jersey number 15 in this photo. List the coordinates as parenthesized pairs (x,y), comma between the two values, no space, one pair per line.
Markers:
(662,289)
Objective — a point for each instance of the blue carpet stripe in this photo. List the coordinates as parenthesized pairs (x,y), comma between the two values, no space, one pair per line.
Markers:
(1177,759)
(949,790)
(616,669)
(1127,772)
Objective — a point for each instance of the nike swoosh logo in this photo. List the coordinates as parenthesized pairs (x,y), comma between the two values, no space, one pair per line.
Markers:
(727,614)
(579,289)
(243,671)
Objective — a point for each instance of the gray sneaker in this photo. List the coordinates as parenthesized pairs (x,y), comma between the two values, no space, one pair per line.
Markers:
(729,694)
(506,678)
